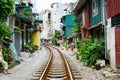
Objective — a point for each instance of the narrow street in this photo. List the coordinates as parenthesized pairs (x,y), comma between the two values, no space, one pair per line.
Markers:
(28,66)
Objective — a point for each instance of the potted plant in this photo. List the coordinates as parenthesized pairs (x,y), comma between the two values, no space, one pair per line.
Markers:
(27,48)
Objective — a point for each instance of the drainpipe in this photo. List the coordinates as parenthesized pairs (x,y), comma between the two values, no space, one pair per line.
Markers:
(105,25)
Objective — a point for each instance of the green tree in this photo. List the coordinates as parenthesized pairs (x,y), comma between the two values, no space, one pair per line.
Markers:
(76,25)
(5,31)
(6,8)
(56,36)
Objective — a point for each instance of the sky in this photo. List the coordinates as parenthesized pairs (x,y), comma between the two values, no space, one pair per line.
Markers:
(45,4)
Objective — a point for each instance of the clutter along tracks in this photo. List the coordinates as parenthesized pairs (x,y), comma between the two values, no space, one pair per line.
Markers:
(57,67)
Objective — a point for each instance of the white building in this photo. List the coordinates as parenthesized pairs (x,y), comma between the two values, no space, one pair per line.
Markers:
(47,32)
(70,8)
(57,11)
(52,18)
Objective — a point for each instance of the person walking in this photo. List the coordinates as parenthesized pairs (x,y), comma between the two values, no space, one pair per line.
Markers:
(4,63)
(58,43)
(14,52)
(72,46)
(12,49)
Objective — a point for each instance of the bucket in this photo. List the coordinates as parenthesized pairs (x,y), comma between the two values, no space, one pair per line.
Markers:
(97,66)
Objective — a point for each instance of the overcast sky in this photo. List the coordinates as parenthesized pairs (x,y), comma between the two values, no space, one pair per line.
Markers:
(45,4)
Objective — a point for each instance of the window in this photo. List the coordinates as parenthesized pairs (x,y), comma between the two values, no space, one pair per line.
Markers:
(116,20)
(49,15)
(94,7)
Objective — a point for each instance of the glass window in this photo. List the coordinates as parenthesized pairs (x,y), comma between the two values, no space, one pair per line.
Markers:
(94,7)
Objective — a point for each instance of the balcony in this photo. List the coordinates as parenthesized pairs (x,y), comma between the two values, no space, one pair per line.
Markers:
(24,12)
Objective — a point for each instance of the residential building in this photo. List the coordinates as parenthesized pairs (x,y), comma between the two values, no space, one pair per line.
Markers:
(68,28)
(101,21)
(82,11)
(68,25)
(47,31)
(57,11)
(112,15)
(24,21)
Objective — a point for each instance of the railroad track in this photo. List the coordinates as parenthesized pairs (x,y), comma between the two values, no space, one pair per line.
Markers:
(56,68)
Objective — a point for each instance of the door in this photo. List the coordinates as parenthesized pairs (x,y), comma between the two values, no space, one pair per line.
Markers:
(17,42)
(117,46)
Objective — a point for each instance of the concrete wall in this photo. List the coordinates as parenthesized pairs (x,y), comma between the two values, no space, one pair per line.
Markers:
(111,44)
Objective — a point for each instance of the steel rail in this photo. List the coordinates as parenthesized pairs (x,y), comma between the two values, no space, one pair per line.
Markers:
(47,67)
(42,77)
(67,66)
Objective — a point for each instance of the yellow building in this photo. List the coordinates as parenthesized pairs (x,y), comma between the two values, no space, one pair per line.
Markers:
(36,36)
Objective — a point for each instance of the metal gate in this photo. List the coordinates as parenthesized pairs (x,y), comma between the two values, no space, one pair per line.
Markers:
(117,46)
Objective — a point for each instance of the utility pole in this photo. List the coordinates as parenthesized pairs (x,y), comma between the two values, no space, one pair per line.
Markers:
(105,25)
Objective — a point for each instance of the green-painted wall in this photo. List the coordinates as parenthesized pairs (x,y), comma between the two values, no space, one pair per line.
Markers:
(69,30)
(69,20)
(98,18)
(69,24)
